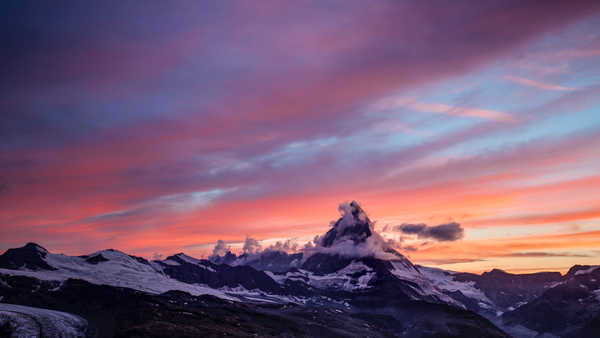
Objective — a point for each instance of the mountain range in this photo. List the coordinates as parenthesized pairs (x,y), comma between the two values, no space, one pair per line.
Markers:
(351,283)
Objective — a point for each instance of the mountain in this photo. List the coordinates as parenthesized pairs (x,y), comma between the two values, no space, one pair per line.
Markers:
(351,276)
(123,312)
(351,256)
(31,256)
(195,271)
(507,290)
(571,304)
(269,260)
(354,225)
(110,267)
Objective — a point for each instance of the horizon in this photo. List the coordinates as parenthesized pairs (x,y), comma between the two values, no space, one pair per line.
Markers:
(259,247)
(238,252)
(470,135)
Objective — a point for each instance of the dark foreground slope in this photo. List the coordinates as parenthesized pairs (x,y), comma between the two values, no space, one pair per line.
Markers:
(121,312)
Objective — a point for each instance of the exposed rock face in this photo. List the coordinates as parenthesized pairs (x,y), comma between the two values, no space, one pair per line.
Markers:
(191,270)
(275,261)
(31,256)
(353,225)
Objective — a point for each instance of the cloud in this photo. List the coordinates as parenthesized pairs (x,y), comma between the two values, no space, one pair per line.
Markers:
(427,107)
(553,217)
(251,246)
(220,249)
(344,245)
(446,261)
(443,232)
(287,246)
(157,257)
(544,254)
(536,84)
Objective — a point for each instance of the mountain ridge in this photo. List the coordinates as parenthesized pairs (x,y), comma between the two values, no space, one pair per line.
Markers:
(351,269)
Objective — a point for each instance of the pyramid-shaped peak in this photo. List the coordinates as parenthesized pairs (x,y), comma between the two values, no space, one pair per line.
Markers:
(353,225)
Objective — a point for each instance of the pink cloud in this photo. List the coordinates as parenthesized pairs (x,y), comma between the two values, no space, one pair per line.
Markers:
(428,107)
(536,84)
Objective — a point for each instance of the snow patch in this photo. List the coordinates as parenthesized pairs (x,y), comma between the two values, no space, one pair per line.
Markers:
(36,322)
(444,280)
(170,262)
(587,271)
(355,276)
(259,296)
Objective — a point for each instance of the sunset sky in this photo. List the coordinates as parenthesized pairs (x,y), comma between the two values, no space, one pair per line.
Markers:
(160,127)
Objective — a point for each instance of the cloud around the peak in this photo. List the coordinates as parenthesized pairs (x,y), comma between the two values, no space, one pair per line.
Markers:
(251,246)
(220,249)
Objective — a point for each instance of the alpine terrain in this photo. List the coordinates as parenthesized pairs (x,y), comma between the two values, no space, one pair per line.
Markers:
(351,283)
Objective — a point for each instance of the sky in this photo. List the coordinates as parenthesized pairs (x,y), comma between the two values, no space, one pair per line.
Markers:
(158,127)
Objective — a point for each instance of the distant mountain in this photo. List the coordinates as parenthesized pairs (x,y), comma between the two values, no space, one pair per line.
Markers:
(269,260)
(350,273)
(507,290)
(570,305)
(195,271)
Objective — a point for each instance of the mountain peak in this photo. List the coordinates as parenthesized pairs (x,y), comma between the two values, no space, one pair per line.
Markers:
(353,225)
(576,268)
(35,246)
(30,256)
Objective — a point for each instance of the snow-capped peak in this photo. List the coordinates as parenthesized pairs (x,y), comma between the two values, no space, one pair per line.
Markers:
(353,235)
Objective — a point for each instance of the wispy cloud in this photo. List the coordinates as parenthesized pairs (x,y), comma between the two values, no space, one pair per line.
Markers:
(447,261)
(543,254)
(442,108)
(536,84)
(542,218)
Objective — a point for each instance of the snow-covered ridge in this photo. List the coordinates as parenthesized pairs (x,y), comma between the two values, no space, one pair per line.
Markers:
(119,270)
(191,260)
(426,285)
(444,280)
(587,271)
